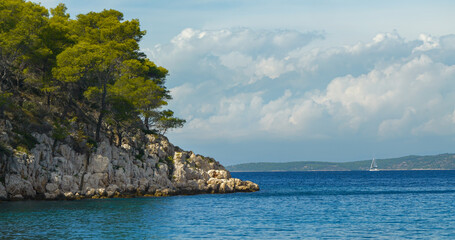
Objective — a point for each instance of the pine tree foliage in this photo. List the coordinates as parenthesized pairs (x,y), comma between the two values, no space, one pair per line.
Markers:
(87,74)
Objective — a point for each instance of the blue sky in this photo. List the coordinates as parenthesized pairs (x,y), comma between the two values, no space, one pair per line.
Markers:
(302,80)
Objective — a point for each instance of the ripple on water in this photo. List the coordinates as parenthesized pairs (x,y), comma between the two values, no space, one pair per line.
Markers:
(289,206)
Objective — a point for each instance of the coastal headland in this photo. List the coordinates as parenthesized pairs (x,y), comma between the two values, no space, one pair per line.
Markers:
(82,112)
(149,166)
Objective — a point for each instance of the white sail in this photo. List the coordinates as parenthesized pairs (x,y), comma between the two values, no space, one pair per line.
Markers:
(374,166)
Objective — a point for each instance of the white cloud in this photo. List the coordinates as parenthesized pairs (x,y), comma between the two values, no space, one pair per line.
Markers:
(438,125)
(252,84)
(429,43)
(235,60)
(182,91)
(394,127)
(393,100)
(233,114)
(271,67)
(251,53)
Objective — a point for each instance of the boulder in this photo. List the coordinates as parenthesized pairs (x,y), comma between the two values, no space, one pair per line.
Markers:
(101,191)
(50,196)
(51,187)
(220,174)
(89,192)
(112,190)
(69,196)
(247,186)
(16,185)
(17,197)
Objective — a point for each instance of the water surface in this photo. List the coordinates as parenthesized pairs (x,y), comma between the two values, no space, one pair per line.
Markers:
(290,205)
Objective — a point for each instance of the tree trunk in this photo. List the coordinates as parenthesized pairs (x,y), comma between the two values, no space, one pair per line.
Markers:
(49,99)
(146,122)
(54,145)
(119,135)
(2,110)
(102,109)
(66,108)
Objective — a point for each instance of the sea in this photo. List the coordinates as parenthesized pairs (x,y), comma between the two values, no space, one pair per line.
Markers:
(290,205)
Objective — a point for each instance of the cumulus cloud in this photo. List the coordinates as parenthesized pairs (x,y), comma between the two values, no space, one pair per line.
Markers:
(252,84)
(250,54)
(429,43)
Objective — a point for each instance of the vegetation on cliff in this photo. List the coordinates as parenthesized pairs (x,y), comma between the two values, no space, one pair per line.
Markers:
(76,79)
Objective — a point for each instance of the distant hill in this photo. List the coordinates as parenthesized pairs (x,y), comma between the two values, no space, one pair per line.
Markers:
(413,162)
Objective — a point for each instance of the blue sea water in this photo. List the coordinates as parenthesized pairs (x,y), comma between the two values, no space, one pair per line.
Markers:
(290,205)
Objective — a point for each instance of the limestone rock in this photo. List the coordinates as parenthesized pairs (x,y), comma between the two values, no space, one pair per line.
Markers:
(51,187)
(220,174)
(50,196)
(69,183)
(151,167)
(16,185)
(17,197)
(112,190)
(89,192)
(69,195)
(101,191)
(39,183)
(247,186)
(98,164)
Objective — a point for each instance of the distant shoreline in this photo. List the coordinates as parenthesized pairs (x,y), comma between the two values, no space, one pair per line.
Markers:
(408,163)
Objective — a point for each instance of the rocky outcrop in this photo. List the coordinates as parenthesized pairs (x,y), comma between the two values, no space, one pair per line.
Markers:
(57,171)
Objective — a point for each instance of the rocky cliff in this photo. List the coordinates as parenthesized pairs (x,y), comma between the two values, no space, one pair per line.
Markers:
(55,170)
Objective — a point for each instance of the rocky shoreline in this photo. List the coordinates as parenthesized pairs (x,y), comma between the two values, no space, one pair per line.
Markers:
(53,171)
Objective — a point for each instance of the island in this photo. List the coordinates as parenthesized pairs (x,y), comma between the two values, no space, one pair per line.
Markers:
(413,162)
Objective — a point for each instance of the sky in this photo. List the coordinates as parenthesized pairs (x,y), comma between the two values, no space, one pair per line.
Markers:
(302,80)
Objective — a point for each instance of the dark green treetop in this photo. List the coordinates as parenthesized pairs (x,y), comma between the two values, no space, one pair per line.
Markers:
(89,69)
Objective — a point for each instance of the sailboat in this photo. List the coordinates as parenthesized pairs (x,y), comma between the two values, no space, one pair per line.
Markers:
(374,166)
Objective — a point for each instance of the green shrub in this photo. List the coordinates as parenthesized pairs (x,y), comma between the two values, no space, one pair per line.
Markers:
(150,131)
(140,154)
(23,139)
(80,136)
(29,106)
(22,148)
(91,143)
(170,160)
(60,132)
